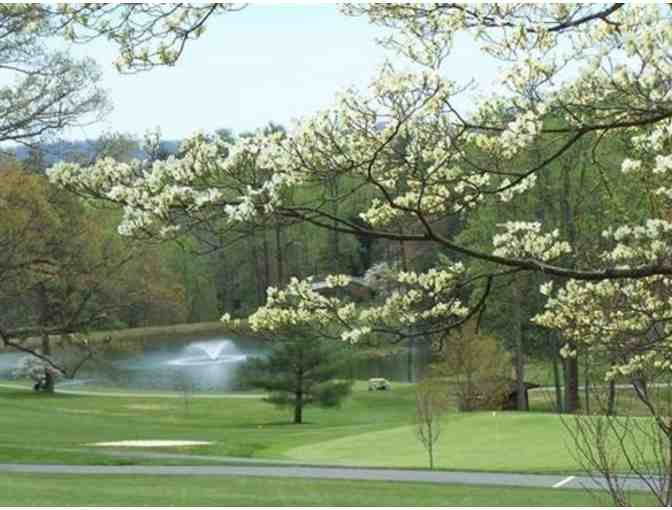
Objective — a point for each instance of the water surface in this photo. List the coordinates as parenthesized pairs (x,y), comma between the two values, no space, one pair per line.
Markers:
(211,364)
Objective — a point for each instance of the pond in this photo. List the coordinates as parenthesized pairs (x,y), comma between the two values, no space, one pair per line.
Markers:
(203,365)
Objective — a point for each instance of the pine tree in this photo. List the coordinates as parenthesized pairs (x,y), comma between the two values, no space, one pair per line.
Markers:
(300,370)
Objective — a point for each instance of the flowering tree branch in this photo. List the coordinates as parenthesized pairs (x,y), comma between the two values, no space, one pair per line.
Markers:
(408,156)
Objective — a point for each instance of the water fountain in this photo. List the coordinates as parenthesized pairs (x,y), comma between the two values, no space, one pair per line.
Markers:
(213,350)
(209,353)
(202,365)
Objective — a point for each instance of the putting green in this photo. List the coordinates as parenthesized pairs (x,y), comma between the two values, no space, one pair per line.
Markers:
(475,441)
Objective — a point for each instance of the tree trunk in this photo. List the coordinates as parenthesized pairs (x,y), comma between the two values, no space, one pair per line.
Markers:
(521,400)
(334,235)
(254,265)
(49,382)
(640,381)
(569,228)
(43,299)
(409,360)
(224,285)
(519,357)
(557,384)
(298,394)
(279,256)
(267,261)
(298,412)
(469,393)
(430,445)
(586,386)
(571,385)
(611,398)
(402,252)
(668,484)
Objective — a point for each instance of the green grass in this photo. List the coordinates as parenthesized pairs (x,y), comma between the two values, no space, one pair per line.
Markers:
(371,429)
(519,442)
(627,402)
(99,490)
(37,427)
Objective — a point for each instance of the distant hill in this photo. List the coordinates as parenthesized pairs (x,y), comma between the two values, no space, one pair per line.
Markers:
(59,151)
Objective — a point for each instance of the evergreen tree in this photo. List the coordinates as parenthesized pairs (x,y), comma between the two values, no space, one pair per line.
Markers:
(300,370)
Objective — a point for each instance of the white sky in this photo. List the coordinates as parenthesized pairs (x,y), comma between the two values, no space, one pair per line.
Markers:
(266,63)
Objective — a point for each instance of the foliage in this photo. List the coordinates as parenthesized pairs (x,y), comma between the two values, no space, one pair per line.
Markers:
(475,364)
(64,272)
(299,371)
(24,210)
(58,271)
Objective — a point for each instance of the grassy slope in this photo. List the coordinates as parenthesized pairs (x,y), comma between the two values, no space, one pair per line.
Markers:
(66,490)
(31,424)
(474,441)
(372,428)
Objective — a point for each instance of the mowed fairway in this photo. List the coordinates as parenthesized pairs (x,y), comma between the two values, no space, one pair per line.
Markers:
(55,428)
(371,429)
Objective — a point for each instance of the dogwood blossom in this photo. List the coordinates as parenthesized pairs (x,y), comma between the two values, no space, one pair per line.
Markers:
(411,156)
(525,239)
(418,300)
(619,319)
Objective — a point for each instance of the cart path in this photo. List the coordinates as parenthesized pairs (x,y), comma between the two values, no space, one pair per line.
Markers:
(558,482)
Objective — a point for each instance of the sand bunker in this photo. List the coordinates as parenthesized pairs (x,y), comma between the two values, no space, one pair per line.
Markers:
(151,443)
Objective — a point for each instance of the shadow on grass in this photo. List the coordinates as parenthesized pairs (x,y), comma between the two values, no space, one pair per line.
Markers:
(287,423)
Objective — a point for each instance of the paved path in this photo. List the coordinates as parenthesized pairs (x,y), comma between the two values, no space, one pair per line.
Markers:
(397,475)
